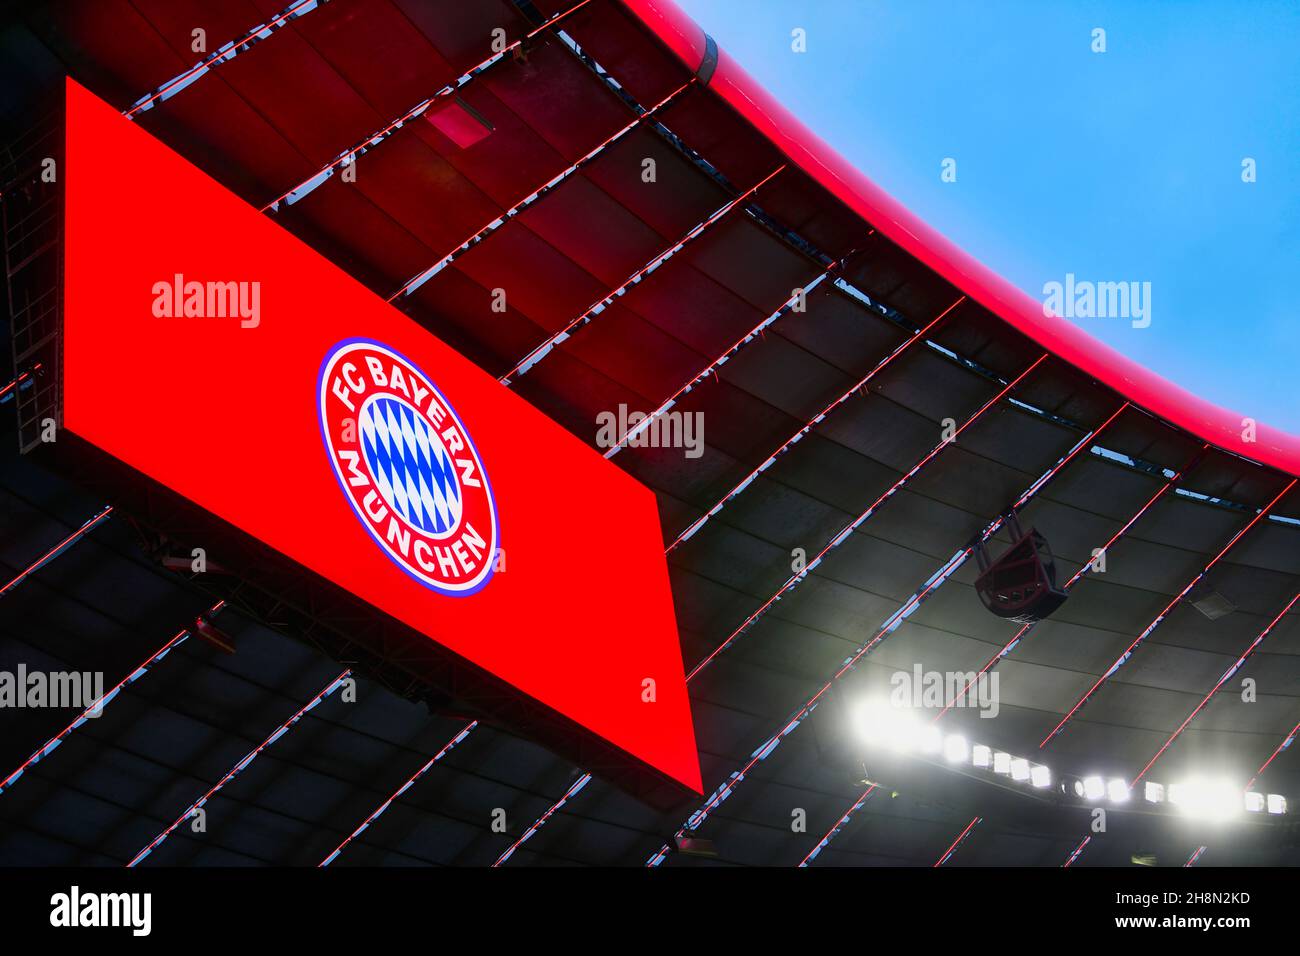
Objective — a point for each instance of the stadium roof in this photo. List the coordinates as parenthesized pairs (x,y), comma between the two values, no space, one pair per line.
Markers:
(525,169)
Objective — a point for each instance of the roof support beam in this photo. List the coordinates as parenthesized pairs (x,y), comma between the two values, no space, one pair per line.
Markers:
(1150,628)
(712,368)
(535,194)
(1227,676)
(97,708)
(239,767)
(891,624)
(574,789)
(862,518)
(1012,644)
(961,838)
(223,54)
(839,826)
(350,155)
(812,423)
(1076,852)
(540,351)
(18,382)
(446,749)
(90,524)
(1287,741)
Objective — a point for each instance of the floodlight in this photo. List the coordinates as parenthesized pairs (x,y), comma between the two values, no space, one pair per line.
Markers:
(1254,802)
(1001,762)
(1020,769)
(956,749)
(1154,792)
(1094,788)
(1117,790)
(981,756)
(1276,803)
(928,739)
(1207,799)
(1040,776)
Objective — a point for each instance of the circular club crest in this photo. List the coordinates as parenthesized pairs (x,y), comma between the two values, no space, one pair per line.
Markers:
(408,467)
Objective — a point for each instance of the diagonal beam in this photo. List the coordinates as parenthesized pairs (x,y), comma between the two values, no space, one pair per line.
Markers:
(536,194)
(1196,855)
(446,749)
(1078,575)
(544,348)
(1287,741)
(813,422)
(1076,852)
(891,624)
(18,382)
(712,368)
(239,767)
(97,708)
(1227,676)
(1150,628)
(839,826)
(90,524)
(961,838)
(857,522)
(351,154)
(574,789)
(223,54)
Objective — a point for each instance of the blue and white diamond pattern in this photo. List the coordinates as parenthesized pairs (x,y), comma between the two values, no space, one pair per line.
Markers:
(410,465)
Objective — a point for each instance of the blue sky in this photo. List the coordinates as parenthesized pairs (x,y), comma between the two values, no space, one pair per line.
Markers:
(1116,166)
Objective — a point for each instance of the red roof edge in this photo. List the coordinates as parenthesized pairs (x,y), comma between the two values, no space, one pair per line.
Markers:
(1144,388)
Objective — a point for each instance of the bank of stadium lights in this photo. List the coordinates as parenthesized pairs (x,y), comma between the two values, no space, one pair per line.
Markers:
(1214,799)
(899,730)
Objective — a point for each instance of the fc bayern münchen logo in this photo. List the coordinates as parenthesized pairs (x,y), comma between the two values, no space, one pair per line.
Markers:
(407,466)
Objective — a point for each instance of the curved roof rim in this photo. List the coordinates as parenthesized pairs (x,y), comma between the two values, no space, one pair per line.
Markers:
(1145,388)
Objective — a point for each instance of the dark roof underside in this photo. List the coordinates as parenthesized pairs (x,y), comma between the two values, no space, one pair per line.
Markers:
(272,116)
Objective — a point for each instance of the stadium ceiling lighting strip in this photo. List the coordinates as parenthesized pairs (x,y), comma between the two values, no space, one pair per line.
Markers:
(961,838)
(523,366)
(880,725)
(528,200)
(712,367)
(349,156)
(1076,852)
(223,54)
(1286,742)
(89,525)
(857,522)
(715,800)
(239,767)
(840,824)
(574,789)
(18,382)
(1078,575)
(1227,675)
(1163,614)
(50,745)
(446,749)
(808,426)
